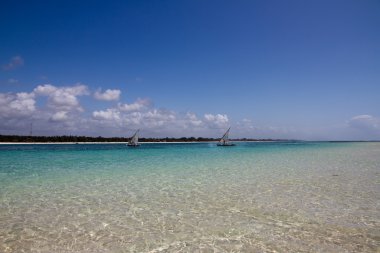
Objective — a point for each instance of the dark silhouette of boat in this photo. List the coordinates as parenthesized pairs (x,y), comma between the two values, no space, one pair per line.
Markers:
(224,142)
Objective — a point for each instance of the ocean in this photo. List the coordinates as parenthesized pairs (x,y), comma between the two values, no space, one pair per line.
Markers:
(193,197)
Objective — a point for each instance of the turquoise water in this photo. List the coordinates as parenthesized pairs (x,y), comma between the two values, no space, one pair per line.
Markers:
(254,197)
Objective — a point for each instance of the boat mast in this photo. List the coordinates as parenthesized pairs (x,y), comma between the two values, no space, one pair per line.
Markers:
(224,139)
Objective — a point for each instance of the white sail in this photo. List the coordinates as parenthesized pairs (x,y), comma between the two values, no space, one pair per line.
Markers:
(134,141)
(224,140)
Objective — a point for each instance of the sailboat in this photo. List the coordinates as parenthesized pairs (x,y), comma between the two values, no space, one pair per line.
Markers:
(134,141)
(224,140)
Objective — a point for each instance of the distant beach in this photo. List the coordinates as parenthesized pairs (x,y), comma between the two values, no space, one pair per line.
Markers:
(147,142)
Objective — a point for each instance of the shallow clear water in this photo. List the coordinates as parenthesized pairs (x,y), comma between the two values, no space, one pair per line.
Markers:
(254,197)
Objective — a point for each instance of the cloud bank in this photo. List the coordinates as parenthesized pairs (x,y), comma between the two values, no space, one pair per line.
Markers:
(108,95)
(365,122)
(366,127)
(60,111)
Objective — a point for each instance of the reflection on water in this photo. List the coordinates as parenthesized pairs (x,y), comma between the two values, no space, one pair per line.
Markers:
(255,197)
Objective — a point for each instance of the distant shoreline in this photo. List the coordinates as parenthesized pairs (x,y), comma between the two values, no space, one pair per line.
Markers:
(72,139)
(147,142)
(87,139)
(160,142)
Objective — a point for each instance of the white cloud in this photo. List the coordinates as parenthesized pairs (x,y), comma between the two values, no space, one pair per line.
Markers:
(245,124)
(158,122)
(62,105)
(62,98)
(192,120)
(217,120)
(57,110)
(365,127)
(15,62)
(158,118)
(59,116)
(108,95)
(62,114)
(139,105)
(109,114)
(365,122)
(45,90)
(16,105)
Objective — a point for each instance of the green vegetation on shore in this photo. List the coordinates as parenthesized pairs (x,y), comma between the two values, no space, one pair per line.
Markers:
(70,138)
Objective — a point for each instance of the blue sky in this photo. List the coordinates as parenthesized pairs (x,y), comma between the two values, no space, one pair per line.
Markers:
(270,69)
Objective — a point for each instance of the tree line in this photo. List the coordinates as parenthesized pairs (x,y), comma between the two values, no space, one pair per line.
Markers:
(72,138)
